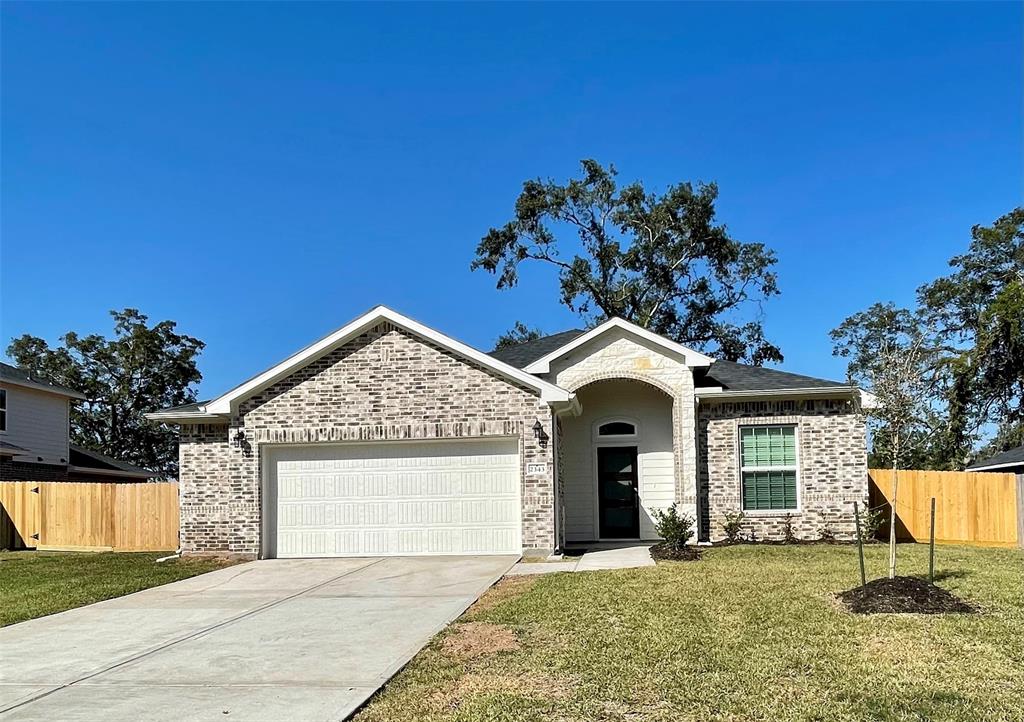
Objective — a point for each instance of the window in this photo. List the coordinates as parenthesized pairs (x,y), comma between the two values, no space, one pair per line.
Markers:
(3,409)
(768,467)
(616,428)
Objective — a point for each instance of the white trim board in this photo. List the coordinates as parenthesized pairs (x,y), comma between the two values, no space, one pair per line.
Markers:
(692,358)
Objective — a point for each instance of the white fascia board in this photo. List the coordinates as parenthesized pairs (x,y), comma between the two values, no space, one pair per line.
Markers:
(224,404)
(692,358)
(995,466)
(816,391)
(186,417)
(42,387)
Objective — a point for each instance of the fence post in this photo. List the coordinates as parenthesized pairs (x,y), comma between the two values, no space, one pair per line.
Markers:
(860,545)
(1020,510)
(931,547)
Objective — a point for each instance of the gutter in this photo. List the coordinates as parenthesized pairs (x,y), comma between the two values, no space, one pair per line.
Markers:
(811,392)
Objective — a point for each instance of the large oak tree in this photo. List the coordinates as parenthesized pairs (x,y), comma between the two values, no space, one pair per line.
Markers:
(142,368)
(660,260)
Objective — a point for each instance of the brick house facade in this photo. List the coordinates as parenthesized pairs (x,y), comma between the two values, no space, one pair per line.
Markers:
(387,383)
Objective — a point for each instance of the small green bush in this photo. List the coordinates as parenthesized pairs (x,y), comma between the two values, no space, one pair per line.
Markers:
(675,528)
(871,521)
(788,535)
(733,526)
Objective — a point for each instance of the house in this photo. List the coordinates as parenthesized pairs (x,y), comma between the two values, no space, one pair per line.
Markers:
(34,426)
(1008,462)
(388,437)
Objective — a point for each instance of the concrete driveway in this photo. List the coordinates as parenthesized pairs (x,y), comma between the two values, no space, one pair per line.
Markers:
(306,639)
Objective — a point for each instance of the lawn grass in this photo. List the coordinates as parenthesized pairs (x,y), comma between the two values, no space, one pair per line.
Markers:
(33,584)
(747,633)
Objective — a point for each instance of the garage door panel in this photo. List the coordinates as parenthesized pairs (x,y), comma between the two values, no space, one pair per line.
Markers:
(397,499)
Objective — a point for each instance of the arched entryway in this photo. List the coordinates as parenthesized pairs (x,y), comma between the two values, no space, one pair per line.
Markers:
(621,444)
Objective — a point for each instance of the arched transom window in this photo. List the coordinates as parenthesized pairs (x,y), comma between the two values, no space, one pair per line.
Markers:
(616,428)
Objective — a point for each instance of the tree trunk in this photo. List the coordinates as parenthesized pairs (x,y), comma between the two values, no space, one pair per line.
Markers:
(892,519)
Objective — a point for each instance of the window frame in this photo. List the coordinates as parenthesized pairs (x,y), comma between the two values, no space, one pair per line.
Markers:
(795,468)
(599,437)
(3,411)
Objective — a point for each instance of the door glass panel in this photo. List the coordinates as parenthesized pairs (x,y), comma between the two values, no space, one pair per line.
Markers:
(616,460)
(617,490)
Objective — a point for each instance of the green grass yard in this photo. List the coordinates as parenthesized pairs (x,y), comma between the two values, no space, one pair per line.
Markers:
(747,633)
(33,584)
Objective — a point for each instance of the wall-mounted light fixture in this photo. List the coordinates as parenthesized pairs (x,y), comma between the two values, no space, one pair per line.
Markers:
(238,439)
(539,434)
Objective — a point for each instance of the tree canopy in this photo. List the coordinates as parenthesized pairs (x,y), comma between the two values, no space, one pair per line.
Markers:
(661,261)
(973,323)
(142,369)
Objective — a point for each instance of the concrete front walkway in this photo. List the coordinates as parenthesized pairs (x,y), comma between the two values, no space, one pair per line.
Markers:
(307,639)
(598,556)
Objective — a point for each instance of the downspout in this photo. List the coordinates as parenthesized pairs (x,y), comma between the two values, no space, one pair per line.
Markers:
(556,485)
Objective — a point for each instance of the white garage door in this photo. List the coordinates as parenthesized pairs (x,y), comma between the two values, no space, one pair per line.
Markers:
(399,499)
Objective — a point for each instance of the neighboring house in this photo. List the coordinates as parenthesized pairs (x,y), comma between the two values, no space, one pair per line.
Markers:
(1008,462)
(388,437)
(34,425)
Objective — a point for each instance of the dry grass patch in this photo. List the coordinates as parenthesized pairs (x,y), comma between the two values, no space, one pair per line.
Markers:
(481,684)
(506,589)
(470,640)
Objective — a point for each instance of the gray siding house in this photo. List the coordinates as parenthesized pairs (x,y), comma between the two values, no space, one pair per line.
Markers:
(388,437)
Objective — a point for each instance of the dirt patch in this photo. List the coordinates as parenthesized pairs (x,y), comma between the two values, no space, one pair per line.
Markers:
(506,589)
(477,639)
(903,595)
(664,552)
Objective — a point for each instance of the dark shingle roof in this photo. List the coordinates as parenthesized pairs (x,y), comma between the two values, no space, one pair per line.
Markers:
(80,456)
(733,376)
(523,354)
(13,373)
(727,374)
(1007,458)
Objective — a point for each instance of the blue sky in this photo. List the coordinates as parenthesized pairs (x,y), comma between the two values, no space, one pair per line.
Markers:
(262,173)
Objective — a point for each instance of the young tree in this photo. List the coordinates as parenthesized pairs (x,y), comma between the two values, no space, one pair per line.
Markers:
(658,260)
(897,379)
(142,369)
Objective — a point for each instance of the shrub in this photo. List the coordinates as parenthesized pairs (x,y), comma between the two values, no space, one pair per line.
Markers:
(826,534)
(675,528)
(733,526)
(871,521)
(787,529)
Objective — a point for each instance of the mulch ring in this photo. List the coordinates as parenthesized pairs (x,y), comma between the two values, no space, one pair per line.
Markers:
(665,552)
(902,595)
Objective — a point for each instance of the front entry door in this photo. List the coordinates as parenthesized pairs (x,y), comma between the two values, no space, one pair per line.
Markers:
(618,495)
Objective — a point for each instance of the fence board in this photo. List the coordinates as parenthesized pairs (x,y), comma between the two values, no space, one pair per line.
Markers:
(970,507)
(19,514)
(99,516)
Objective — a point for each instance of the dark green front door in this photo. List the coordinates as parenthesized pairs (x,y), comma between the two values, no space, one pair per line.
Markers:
(618,497)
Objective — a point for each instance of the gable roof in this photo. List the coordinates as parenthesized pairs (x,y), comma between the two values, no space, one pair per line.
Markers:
(222,405)
(19,377)
(523,354)
(1009,458)
(692,358)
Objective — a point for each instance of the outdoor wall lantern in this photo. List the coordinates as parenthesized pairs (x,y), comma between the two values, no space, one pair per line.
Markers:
(239,439)
(539,433)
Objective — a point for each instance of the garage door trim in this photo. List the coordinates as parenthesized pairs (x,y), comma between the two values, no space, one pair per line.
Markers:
(271,457)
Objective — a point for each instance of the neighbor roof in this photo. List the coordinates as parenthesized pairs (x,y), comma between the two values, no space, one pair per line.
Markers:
(87,461)
(20,377)
(1010,458)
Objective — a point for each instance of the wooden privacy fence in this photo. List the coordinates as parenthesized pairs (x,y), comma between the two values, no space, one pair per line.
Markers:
(970,507)
(88,516)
